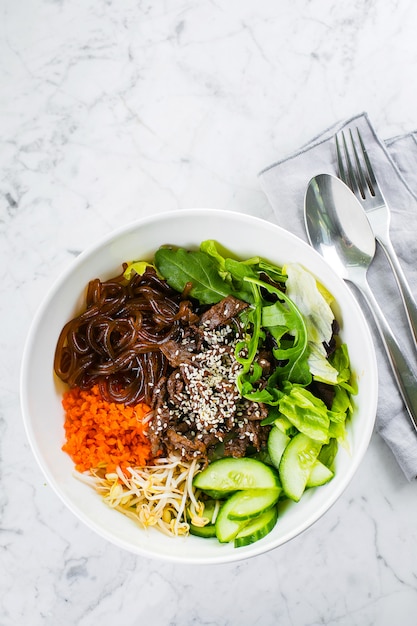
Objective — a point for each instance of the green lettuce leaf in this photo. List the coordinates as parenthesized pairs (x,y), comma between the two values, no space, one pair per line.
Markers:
(307,413)
(341,362)
(301,287)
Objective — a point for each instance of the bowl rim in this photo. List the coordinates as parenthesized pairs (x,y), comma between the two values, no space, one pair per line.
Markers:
(257,548)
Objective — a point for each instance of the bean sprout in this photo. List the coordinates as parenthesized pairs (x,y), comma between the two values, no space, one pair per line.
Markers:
(159,495)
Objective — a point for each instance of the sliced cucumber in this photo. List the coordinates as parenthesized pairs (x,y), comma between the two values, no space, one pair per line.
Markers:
(216,494)
(277,442)
(257,528)
(209,530)
(284,424)
(296,464)
(231,474)
(226,528)
(211,508)
(252,502)
(320,475)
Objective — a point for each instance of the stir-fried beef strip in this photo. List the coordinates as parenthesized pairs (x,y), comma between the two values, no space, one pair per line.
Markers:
(220,313)
(176,352)
(197,407)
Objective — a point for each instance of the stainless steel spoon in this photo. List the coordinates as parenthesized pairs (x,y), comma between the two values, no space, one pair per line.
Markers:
(339,230)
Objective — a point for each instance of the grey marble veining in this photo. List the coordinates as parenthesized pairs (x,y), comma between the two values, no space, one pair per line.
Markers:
(116,110)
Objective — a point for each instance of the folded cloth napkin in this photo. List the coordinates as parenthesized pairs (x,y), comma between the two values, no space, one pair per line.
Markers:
(395,165)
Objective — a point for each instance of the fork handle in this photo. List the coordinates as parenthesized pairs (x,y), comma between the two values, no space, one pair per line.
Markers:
(405,376)
(403,286)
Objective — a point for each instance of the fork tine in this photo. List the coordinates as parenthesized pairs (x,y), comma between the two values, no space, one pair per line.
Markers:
(362,183)
(370,179)
(340,166)
(351,178)
(356,173)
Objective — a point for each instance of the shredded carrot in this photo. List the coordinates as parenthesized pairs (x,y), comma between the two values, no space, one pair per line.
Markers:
(104,434)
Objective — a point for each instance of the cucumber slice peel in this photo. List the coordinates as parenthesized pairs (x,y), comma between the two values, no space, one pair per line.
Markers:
(296,464)
(243,508)
(230,474)
(226,528)
(277,442)
(209,530)
(320,475)
(217,494)
(252,502)
(257,528)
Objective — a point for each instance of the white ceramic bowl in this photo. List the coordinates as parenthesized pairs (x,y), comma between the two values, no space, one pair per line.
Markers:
(41,392)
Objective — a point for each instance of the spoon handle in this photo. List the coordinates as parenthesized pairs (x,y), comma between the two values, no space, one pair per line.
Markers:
(403,286)
(403,372)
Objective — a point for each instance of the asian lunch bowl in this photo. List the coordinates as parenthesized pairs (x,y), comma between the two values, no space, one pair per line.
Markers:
(41,390)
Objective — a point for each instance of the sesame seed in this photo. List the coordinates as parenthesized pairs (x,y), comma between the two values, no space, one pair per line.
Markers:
(210,393)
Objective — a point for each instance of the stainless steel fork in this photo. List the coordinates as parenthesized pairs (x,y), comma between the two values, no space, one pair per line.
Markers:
(356,171)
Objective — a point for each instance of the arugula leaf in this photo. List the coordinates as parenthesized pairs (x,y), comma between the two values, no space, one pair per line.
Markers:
(247,348)
(211,248)
(277,274)
(245,353)
(239,272)
(180,266)
(276,315)
(293,353)
(232,271)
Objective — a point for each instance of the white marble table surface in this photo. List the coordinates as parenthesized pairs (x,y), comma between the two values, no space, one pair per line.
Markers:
(112,110)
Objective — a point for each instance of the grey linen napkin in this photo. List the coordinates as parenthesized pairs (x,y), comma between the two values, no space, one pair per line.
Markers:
(395,164)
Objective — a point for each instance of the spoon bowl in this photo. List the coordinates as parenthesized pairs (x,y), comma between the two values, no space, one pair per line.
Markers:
(338,229)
